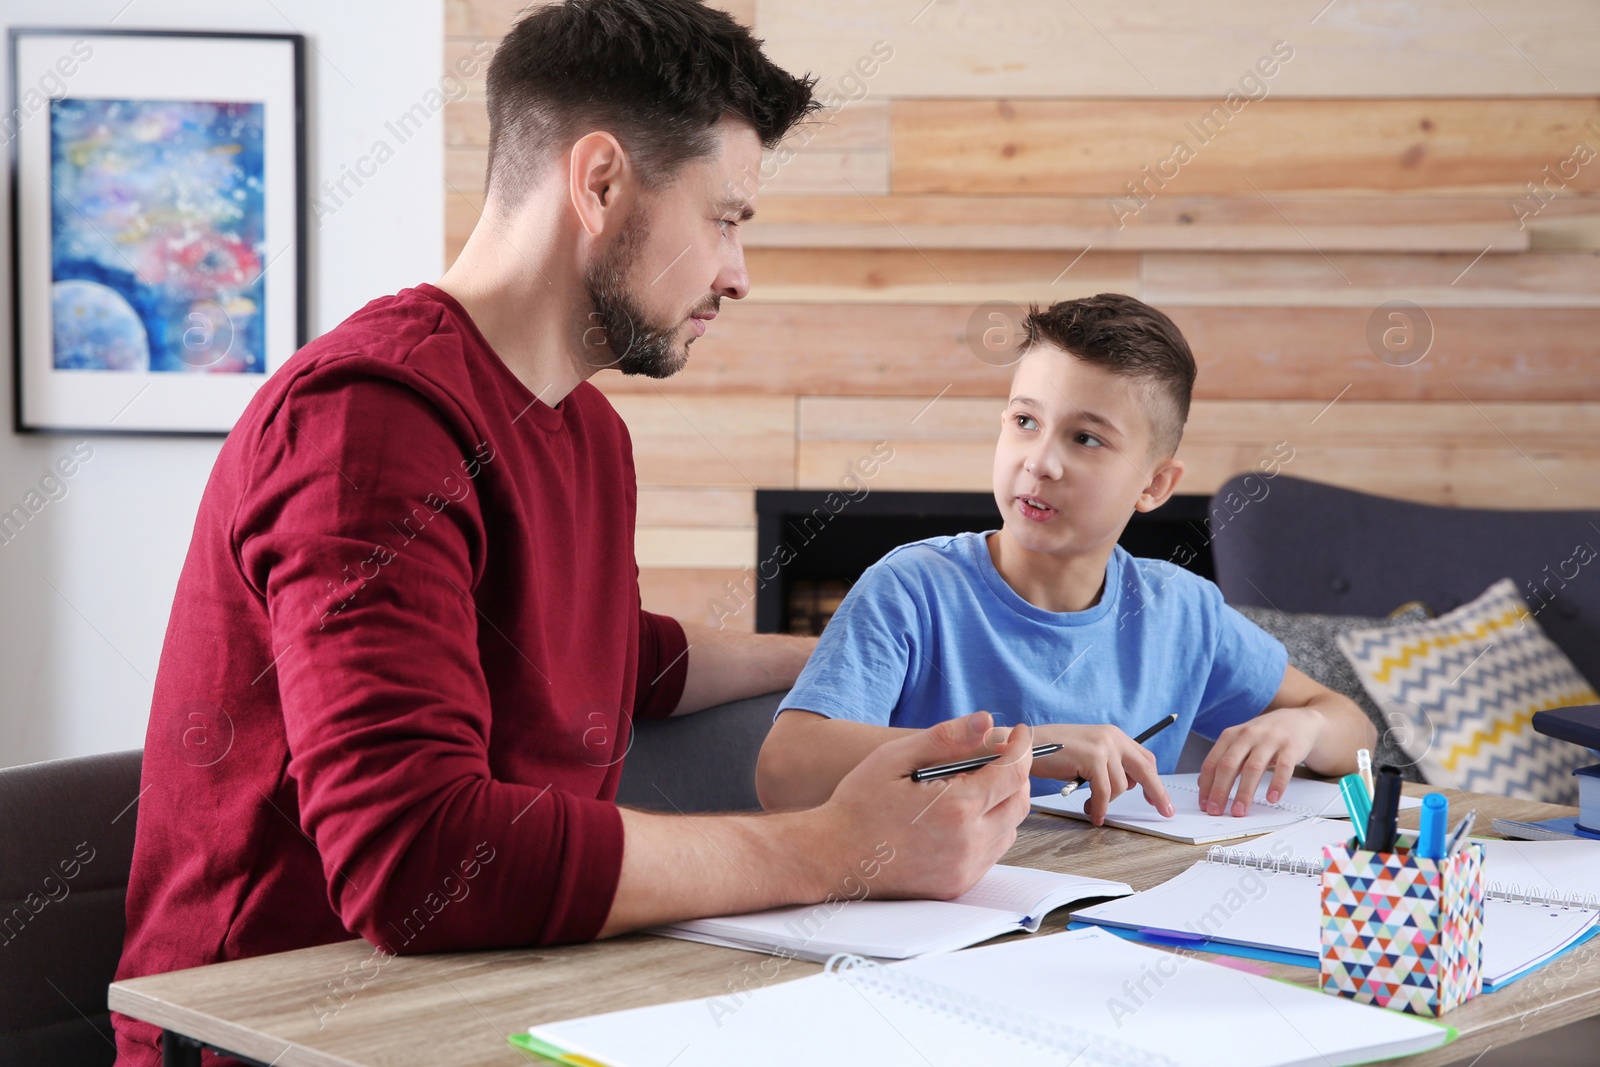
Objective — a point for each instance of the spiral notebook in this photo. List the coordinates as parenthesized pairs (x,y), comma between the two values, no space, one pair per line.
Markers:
(1302,799)
(1052,1000)
(1267,897)
(1563,873)
(1005,900)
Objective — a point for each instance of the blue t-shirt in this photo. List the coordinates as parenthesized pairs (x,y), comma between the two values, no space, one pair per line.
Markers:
(932,632)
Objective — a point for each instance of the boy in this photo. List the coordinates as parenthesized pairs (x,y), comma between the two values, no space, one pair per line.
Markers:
(1048,621)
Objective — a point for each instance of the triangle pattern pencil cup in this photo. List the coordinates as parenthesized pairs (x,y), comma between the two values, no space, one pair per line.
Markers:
(1401,931)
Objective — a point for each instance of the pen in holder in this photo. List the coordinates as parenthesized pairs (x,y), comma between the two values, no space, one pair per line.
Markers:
(1400,930)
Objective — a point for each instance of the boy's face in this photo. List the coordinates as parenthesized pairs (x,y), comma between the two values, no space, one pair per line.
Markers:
(1075,457)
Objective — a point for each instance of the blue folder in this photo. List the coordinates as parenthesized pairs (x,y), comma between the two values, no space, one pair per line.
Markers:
(1293,959)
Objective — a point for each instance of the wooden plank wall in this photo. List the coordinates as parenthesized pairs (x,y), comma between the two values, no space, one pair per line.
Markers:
(1444,153)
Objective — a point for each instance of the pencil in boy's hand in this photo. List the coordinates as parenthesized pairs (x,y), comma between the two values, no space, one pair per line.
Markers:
(1068,789)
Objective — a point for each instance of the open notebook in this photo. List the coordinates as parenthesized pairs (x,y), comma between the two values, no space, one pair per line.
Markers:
(1303,799)
(1267,896)
(1058,999)
(1005,900)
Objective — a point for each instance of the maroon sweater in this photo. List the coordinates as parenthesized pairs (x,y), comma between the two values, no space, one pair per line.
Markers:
(401,665)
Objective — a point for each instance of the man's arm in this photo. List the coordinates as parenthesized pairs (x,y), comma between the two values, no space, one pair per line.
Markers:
(806,755)
(385,704)
(879,834)
(725,665)
(1305,722)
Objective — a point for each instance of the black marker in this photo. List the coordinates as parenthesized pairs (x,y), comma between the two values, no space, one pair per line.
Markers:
(1383,822)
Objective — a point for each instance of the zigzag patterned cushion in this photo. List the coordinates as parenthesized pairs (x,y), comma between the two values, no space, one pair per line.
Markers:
(1469,683)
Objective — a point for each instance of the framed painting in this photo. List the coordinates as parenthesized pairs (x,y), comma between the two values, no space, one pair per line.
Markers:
(157,225)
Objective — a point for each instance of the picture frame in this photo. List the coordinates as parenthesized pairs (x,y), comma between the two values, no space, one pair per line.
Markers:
(158,225)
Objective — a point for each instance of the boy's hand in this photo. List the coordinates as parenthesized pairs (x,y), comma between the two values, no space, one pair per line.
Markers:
(1105,757)
(1277,740)
(943,835)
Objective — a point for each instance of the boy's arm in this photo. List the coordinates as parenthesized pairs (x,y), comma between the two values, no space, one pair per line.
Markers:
(806,755)
(1345,727)
(862,662)
(1305,722)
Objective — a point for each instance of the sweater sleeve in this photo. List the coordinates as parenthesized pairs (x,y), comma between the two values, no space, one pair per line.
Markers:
(663,666)
(385,704)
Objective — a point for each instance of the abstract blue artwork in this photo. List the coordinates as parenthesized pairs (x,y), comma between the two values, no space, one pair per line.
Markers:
(157,225)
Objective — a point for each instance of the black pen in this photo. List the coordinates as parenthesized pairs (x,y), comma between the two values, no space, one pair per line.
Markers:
(1068,789)
(945,770)
(1382,822)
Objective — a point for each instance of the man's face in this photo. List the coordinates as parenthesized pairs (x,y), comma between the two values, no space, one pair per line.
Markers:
(678,253)
(1074,454)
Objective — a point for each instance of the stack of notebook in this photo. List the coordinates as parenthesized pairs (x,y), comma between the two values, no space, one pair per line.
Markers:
(1263,900)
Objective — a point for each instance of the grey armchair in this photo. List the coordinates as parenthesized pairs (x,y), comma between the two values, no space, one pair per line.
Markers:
(66,844)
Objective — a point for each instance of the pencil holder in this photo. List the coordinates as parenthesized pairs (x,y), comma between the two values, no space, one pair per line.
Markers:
(1401,931)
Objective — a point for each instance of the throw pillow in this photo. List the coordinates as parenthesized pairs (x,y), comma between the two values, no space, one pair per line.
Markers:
(1470,682)
(1311,641)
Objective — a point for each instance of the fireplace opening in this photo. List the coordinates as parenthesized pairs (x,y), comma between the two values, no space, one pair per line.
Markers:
(810,554)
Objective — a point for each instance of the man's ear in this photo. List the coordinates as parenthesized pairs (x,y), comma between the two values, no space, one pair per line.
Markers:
(1163,483)
(596,167)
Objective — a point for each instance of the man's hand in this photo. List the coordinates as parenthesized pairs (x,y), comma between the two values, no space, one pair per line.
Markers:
(1106,758)
(944,834)
(1274,740)
(878,834)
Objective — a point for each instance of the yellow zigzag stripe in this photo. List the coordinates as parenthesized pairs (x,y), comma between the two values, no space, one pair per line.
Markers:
(1408,653)
(1514,725)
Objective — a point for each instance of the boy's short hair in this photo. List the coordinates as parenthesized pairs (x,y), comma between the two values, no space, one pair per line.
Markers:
(657,74)
(1128,337)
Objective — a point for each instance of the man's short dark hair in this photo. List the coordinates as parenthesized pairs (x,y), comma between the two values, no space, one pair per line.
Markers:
(1128,337)
(656,74)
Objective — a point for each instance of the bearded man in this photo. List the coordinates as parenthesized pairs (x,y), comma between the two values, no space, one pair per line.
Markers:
(411,602)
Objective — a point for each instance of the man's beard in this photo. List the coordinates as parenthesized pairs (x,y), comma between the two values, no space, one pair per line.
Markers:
(637,346)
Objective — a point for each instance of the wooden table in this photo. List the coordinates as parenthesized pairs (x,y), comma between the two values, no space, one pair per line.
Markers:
(341,1005)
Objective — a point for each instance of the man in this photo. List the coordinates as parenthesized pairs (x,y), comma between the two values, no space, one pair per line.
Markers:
(407,641)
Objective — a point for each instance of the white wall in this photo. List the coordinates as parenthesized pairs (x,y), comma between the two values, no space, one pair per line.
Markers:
(86,589)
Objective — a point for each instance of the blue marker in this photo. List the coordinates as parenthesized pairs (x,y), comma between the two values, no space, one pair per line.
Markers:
(1435,814)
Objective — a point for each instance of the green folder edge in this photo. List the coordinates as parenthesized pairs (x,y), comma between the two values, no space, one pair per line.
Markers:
(545,1050)
(1450,1032)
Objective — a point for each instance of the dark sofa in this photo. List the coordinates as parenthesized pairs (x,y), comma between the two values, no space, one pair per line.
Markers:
(1301,546)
